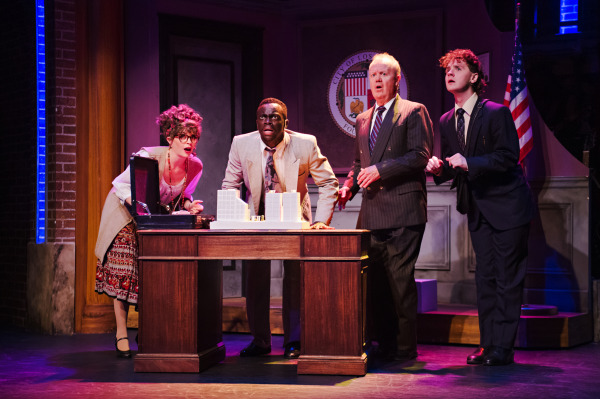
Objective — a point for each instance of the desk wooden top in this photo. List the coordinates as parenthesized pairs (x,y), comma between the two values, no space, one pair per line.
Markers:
(199,244)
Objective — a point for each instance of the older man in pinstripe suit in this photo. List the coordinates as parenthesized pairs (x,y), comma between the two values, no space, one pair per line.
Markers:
(394,141)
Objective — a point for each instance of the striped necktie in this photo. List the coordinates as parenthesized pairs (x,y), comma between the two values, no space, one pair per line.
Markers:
(376,127)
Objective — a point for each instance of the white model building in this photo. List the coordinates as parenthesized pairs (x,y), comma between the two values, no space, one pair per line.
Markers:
(282,212)
(273,206)
(231,207)
(291,206)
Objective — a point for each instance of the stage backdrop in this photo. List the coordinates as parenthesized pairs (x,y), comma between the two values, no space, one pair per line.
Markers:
(413,38)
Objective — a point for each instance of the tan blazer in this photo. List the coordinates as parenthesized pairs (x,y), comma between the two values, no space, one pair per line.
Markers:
(115,215)
(301,157)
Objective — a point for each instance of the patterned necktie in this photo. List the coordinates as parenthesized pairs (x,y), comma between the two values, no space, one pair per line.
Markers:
(460,129)
(271,179)
(376,127)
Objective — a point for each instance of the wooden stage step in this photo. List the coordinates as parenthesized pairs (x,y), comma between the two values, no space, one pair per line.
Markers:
(459,324)
(449,324)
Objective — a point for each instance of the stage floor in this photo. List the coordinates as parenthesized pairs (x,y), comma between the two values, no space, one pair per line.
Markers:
(85,366)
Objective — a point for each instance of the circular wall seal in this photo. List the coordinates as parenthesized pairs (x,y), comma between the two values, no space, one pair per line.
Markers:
(349,92)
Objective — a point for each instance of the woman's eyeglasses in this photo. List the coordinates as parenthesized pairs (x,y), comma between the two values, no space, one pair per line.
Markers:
(184,137)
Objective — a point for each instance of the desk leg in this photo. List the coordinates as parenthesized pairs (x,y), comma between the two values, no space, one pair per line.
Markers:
(180,316)
(333,318)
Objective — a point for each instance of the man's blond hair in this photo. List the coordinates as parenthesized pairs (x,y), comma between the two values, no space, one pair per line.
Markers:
(388,59)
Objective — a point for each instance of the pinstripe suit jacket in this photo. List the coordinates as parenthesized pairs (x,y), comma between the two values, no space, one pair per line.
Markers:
(403,147)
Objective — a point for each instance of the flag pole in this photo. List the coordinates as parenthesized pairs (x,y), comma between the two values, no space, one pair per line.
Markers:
(517,18)
(516,96)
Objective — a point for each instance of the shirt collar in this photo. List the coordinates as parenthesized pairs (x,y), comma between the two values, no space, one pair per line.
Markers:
(279,147)
(468,105)
(387,105)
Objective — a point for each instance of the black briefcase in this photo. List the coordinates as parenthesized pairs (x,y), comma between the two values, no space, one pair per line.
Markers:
(145,200)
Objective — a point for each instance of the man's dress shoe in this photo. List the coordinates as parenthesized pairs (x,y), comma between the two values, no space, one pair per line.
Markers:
(499,357)
(403,356)
(387,354)
(255,350)
(292,350)
(478,356)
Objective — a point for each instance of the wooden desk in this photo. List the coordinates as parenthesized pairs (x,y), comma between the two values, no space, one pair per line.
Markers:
(180,306)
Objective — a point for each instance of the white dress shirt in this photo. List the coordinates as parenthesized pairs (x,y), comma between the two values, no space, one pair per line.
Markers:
(387,106)
(468,106)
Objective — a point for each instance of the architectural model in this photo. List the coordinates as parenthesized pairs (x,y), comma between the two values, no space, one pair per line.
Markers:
(282,212)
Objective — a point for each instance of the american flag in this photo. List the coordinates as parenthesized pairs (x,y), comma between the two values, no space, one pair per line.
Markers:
(356,83)
(517,99)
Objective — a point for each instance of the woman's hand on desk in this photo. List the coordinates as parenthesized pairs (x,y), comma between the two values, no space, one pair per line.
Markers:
(195,207)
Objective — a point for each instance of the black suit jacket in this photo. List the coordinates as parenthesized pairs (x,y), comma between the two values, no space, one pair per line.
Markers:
(494,186)
(403,147)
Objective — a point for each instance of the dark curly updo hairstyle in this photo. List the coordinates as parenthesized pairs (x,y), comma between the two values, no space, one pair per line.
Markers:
(472,61)
(180,119)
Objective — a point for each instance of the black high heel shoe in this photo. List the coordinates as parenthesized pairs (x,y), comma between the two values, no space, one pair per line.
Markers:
(121,353)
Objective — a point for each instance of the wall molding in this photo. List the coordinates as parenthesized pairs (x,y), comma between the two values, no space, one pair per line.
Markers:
(558,269)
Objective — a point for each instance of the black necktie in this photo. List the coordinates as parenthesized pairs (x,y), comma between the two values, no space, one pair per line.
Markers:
(376,127)
(460,129)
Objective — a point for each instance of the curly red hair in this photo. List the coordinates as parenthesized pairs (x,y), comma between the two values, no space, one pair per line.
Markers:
(179,119)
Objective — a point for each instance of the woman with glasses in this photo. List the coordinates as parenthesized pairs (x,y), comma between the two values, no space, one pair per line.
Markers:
(116,248)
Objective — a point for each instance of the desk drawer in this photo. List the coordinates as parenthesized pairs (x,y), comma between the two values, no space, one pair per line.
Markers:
(164,246)
(252,246)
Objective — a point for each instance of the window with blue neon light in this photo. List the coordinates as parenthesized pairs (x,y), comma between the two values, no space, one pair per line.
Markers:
(40,224)
(569,16)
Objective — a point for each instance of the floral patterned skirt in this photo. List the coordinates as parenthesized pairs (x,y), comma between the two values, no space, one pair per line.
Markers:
(117,277)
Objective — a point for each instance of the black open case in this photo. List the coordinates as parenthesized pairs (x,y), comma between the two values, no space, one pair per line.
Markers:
(145,200)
